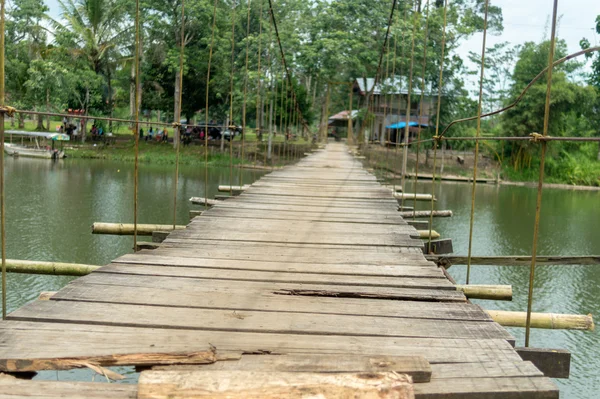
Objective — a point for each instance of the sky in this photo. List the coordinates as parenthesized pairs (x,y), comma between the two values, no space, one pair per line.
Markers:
(524,20)
(529,20)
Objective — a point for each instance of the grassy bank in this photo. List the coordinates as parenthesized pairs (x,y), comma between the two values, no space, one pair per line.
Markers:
(194,154)
(568,170)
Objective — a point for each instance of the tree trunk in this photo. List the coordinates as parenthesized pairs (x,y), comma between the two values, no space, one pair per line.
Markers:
(132,92)
(21,124)
(40,121)
(48,108)
(110,99)
(270,144)
(177,109)
(223,135)
(83,124)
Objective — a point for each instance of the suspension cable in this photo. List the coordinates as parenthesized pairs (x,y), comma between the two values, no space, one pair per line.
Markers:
(477,134)
(437,121)
(210,55)
(2,196)
(137,123)
(228,127)
(177,135)
(244,104)
(421,101)
(408,108)
(538,207)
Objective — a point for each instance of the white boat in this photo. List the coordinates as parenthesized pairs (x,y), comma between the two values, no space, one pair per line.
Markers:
(21,151)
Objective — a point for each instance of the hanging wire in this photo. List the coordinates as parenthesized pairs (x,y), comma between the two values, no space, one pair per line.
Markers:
(137,124)
(408,109)
(177,135)
(477,134)
(210,55)
(538,207)
(244,104)
(2,194)
(230,124)
(397,140)
(437,121)
(421,102)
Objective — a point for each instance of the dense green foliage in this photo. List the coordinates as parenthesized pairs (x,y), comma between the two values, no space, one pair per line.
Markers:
(84,59)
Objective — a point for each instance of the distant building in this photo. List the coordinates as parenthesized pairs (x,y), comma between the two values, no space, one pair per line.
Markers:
(389,103)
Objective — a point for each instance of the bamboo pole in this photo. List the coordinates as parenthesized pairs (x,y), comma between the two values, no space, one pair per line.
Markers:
(424,214)
(553,321)
(127,228)
(46,295)
(51,268)
(426,233)
(227,189)
(414,197)
(493,292)
(447,261)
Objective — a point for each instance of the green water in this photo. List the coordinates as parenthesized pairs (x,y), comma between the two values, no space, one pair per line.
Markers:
(51,207)
(504,219)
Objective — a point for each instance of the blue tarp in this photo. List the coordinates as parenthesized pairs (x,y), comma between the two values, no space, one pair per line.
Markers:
(402,125)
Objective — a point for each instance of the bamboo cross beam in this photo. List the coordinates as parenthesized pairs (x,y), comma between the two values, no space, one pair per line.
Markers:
(425,214)
(552,321)
(414,197)
(50,268)
(512,260)
(122,229)
(226,188)
(492,292)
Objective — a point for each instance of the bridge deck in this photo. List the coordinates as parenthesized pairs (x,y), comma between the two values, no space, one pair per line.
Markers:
(310,260)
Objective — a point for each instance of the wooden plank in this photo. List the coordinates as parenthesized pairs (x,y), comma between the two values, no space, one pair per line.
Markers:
(253,321)
(554,363)
(415,366)
(271,385)
(450,371)
(27,340)
(175,283)
(402,268)
(315,226)
(489,388)
(277,277)
(244,300)
(304,237)
(14,389)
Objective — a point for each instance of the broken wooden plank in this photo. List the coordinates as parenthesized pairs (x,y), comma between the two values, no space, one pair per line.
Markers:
(415,366)
(271,385)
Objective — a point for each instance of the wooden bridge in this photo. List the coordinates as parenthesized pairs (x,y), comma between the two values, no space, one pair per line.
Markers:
(307,274)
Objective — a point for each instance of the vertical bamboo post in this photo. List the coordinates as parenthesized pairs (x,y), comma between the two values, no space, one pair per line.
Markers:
(210,53)
(477,134)
(538,207)
(137,123)
(177,133)
(230,123)
(2,193)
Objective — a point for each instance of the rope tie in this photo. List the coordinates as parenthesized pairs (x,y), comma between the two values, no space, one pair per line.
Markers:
(7,110)
(537,138)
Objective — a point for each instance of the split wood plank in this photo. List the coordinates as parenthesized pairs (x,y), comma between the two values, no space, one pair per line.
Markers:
(276,277)
(253,321)
(28,341)
(264,301)
(265,385)
(415,366)
(15,388)
(318,290)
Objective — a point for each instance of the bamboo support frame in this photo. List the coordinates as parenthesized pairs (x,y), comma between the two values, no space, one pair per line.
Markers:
(127,228)
(492,292)
(553,321)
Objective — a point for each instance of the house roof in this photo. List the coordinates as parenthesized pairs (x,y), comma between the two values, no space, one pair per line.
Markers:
(343,116)
(393,85)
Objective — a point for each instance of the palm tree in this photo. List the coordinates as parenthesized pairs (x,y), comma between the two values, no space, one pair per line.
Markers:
(95,30)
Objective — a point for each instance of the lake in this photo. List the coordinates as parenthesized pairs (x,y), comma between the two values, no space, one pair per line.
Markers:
(51,207)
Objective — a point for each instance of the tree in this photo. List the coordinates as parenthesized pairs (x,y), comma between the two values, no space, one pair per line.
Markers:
(594,78)
(46,83)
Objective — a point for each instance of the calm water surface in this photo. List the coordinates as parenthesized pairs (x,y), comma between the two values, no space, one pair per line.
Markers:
(51,207)
(504,219)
